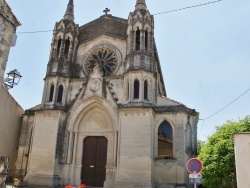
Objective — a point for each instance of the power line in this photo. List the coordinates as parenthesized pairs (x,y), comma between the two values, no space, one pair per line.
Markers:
(222,109)
(170,11)
(227,105)
(194,6)
(32,32)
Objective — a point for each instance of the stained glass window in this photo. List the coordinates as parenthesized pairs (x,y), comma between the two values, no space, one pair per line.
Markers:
(106,58)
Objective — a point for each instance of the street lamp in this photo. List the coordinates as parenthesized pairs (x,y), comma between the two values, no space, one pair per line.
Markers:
(13,79)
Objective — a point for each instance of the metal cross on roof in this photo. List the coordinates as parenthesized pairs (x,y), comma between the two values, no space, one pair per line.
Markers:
(106,11)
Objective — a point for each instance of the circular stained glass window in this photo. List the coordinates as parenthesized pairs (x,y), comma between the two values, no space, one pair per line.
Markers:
(105,58)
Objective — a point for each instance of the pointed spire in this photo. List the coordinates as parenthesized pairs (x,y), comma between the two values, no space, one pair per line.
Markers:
(141,4)
(69,14)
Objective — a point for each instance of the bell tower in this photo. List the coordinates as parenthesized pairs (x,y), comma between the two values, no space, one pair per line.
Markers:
(140,63)
(140,40)
(62,65)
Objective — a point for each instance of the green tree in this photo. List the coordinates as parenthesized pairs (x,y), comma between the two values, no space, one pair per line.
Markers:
(200,144)
(217,155)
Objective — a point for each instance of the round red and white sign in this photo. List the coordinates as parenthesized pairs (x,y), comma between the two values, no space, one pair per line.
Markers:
(194,165)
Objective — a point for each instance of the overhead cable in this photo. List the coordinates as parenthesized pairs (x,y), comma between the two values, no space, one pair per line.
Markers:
(226,105)
(32,32)
(194,6)
(222,109)
(170,11)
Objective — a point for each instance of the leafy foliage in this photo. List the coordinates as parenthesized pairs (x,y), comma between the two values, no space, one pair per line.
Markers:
(200,144)
(217,155)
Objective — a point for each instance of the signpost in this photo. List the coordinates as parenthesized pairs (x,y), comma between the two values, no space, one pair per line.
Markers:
(195,178)
(194,166)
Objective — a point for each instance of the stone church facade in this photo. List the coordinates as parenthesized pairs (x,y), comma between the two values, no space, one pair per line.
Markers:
(105,119)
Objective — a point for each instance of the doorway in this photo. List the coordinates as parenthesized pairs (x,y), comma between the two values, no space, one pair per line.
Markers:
(94,161)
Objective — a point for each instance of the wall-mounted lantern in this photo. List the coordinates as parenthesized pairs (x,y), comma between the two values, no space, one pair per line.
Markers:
(13,79)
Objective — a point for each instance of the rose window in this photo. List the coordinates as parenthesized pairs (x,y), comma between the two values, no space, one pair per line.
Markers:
(105,58)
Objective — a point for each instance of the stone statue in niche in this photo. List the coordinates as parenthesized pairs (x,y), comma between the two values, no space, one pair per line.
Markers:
(95,81)
(96,73)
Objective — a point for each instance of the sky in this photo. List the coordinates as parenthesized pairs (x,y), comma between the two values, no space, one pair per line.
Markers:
(204,51)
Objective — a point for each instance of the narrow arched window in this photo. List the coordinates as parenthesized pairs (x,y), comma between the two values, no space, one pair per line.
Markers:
(51,93)
(66,50)
(59,42)
(137,40)
(60,94)
(146,40)
(136,89)
(165,140)
(146,90)
(30,140)
(128,91)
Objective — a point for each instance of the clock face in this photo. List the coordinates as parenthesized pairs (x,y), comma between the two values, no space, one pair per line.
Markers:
(105,58)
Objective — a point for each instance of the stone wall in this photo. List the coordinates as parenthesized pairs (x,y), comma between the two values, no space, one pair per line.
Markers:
(10,121)
(8,24)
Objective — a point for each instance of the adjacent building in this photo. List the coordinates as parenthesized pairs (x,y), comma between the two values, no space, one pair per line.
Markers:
(8,25)
(105,119)
(242,159)
(10,111)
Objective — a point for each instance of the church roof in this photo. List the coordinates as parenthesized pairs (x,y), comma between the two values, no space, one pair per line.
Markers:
(178,108)
(33,109)
(105,25)
(162,109)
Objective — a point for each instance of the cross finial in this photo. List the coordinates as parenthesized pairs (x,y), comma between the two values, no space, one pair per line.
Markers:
(106,11)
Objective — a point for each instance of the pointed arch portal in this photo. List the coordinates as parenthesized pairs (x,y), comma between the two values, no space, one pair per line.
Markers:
(92,142)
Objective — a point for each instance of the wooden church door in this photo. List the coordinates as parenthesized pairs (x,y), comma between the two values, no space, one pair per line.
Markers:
(94,161)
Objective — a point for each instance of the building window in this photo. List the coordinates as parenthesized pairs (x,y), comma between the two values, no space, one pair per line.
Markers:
(66,51)
(137,40)
(59,42)
(51,93)
(146,40)
(128,90)
(30,140)
(146,90)
(165,141)
(60,94)
(136,89)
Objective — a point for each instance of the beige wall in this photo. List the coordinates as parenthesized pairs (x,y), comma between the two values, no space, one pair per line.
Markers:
(42,156)
(10,121)
(242,159)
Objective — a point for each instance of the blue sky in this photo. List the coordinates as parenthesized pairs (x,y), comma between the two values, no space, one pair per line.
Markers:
(204,51)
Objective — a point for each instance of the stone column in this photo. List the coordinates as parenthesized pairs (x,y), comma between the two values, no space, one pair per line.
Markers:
(70,51)
(74,151)
(142,40)
(151,43)
(70,147)
(61,50)
(115,148)
(74,50)
(133,41)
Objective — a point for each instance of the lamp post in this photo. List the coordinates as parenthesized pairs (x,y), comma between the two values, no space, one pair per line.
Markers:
(13,79)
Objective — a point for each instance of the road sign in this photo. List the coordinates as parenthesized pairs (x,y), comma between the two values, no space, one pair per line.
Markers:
(194,175)
(195,180)
(194,165)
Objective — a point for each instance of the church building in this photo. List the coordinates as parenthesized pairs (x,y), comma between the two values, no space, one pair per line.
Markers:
(105,119)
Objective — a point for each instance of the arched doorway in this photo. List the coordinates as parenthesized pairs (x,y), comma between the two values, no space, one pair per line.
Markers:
(94,161)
